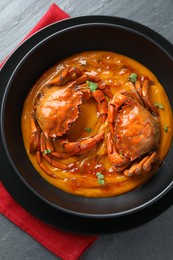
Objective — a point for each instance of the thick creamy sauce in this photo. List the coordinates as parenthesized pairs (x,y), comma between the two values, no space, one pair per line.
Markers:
(114,69)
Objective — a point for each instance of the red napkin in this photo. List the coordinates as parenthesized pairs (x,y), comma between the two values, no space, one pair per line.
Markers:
(68,246)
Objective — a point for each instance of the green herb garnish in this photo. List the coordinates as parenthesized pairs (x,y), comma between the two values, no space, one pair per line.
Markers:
(88,129)
(133,77)
(159,105)
(100,175)
(165,128)
(92,85)
(100,178)
(121,154)
(101,182)
(47,151)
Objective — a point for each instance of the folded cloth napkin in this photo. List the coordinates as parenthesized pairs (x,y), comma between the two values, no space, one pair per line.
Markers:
(66,245)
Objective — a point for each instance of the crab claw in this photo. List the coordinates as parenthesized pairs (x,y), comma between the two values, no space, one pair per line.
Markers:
(67,75)
(115,158)
(83,146)
(102,103)
(34,132)
(143,92)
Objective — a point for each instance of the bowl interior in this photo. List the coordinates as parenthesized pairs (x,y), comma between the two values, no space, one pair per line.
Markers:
(63,43)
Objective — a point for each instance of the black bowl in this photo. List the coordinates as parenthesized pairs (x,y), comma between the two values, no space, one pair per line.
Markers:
(27,64)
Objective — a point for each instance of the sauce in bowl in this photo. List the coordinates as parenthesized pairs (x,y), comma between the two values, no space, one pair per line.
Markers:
(97,124)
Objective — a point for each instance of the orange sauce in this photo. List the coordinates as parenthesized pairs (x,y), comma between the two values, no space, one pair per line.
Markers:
(114,70)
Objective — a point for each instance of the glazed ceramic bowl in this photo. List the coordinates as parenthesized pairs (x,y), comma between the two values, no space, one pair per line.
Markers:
(26,65)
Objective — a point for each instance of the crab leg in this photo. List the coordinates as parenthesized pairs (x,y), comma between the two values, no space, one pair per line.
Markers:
(47,154)
(92,77)
(72,74)
(111,117)
(86,93)
(60,155)
(150,160)
(33,136)
(139,167)
(115,158)
(43,165)
(82,79)
(102,103)
(134,92)
(116,102)
(144,164)
(103,109)
(136,167)
(131,170)
(49,145)
(98,95)
(121,168)
(145,97)
(83,146)
(143,93)
(106,90)
(68,74)
(138,89)
(40,145)
(54,163)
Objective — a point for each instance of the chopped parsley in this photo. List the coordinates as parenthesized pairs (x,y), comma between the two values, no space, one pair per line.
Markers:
(47,151)
(92,85)
(88,129)
(133,77)
(101,182)
(159,105)
(100,178)
(165,128)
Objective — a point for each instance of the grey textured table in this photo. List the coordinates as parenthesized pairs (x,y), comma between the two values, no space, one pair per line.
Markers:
(151,240)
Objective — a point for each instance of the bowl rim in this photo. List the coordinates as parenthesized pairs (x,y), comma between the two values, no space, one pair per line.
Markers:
(58,27)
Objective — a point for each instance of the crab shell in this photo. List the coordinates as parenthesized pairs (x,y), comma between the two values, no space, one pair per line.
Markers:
(57,108)
(137,130)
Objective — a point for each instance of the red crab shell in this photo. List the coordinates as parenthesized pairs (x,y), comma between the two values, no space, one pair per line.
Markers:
(137,130)
(57,108)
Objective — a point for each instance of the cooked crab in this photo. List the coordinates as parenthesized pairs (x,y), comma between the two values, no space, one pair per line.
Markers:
(135,131)
(56,108)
